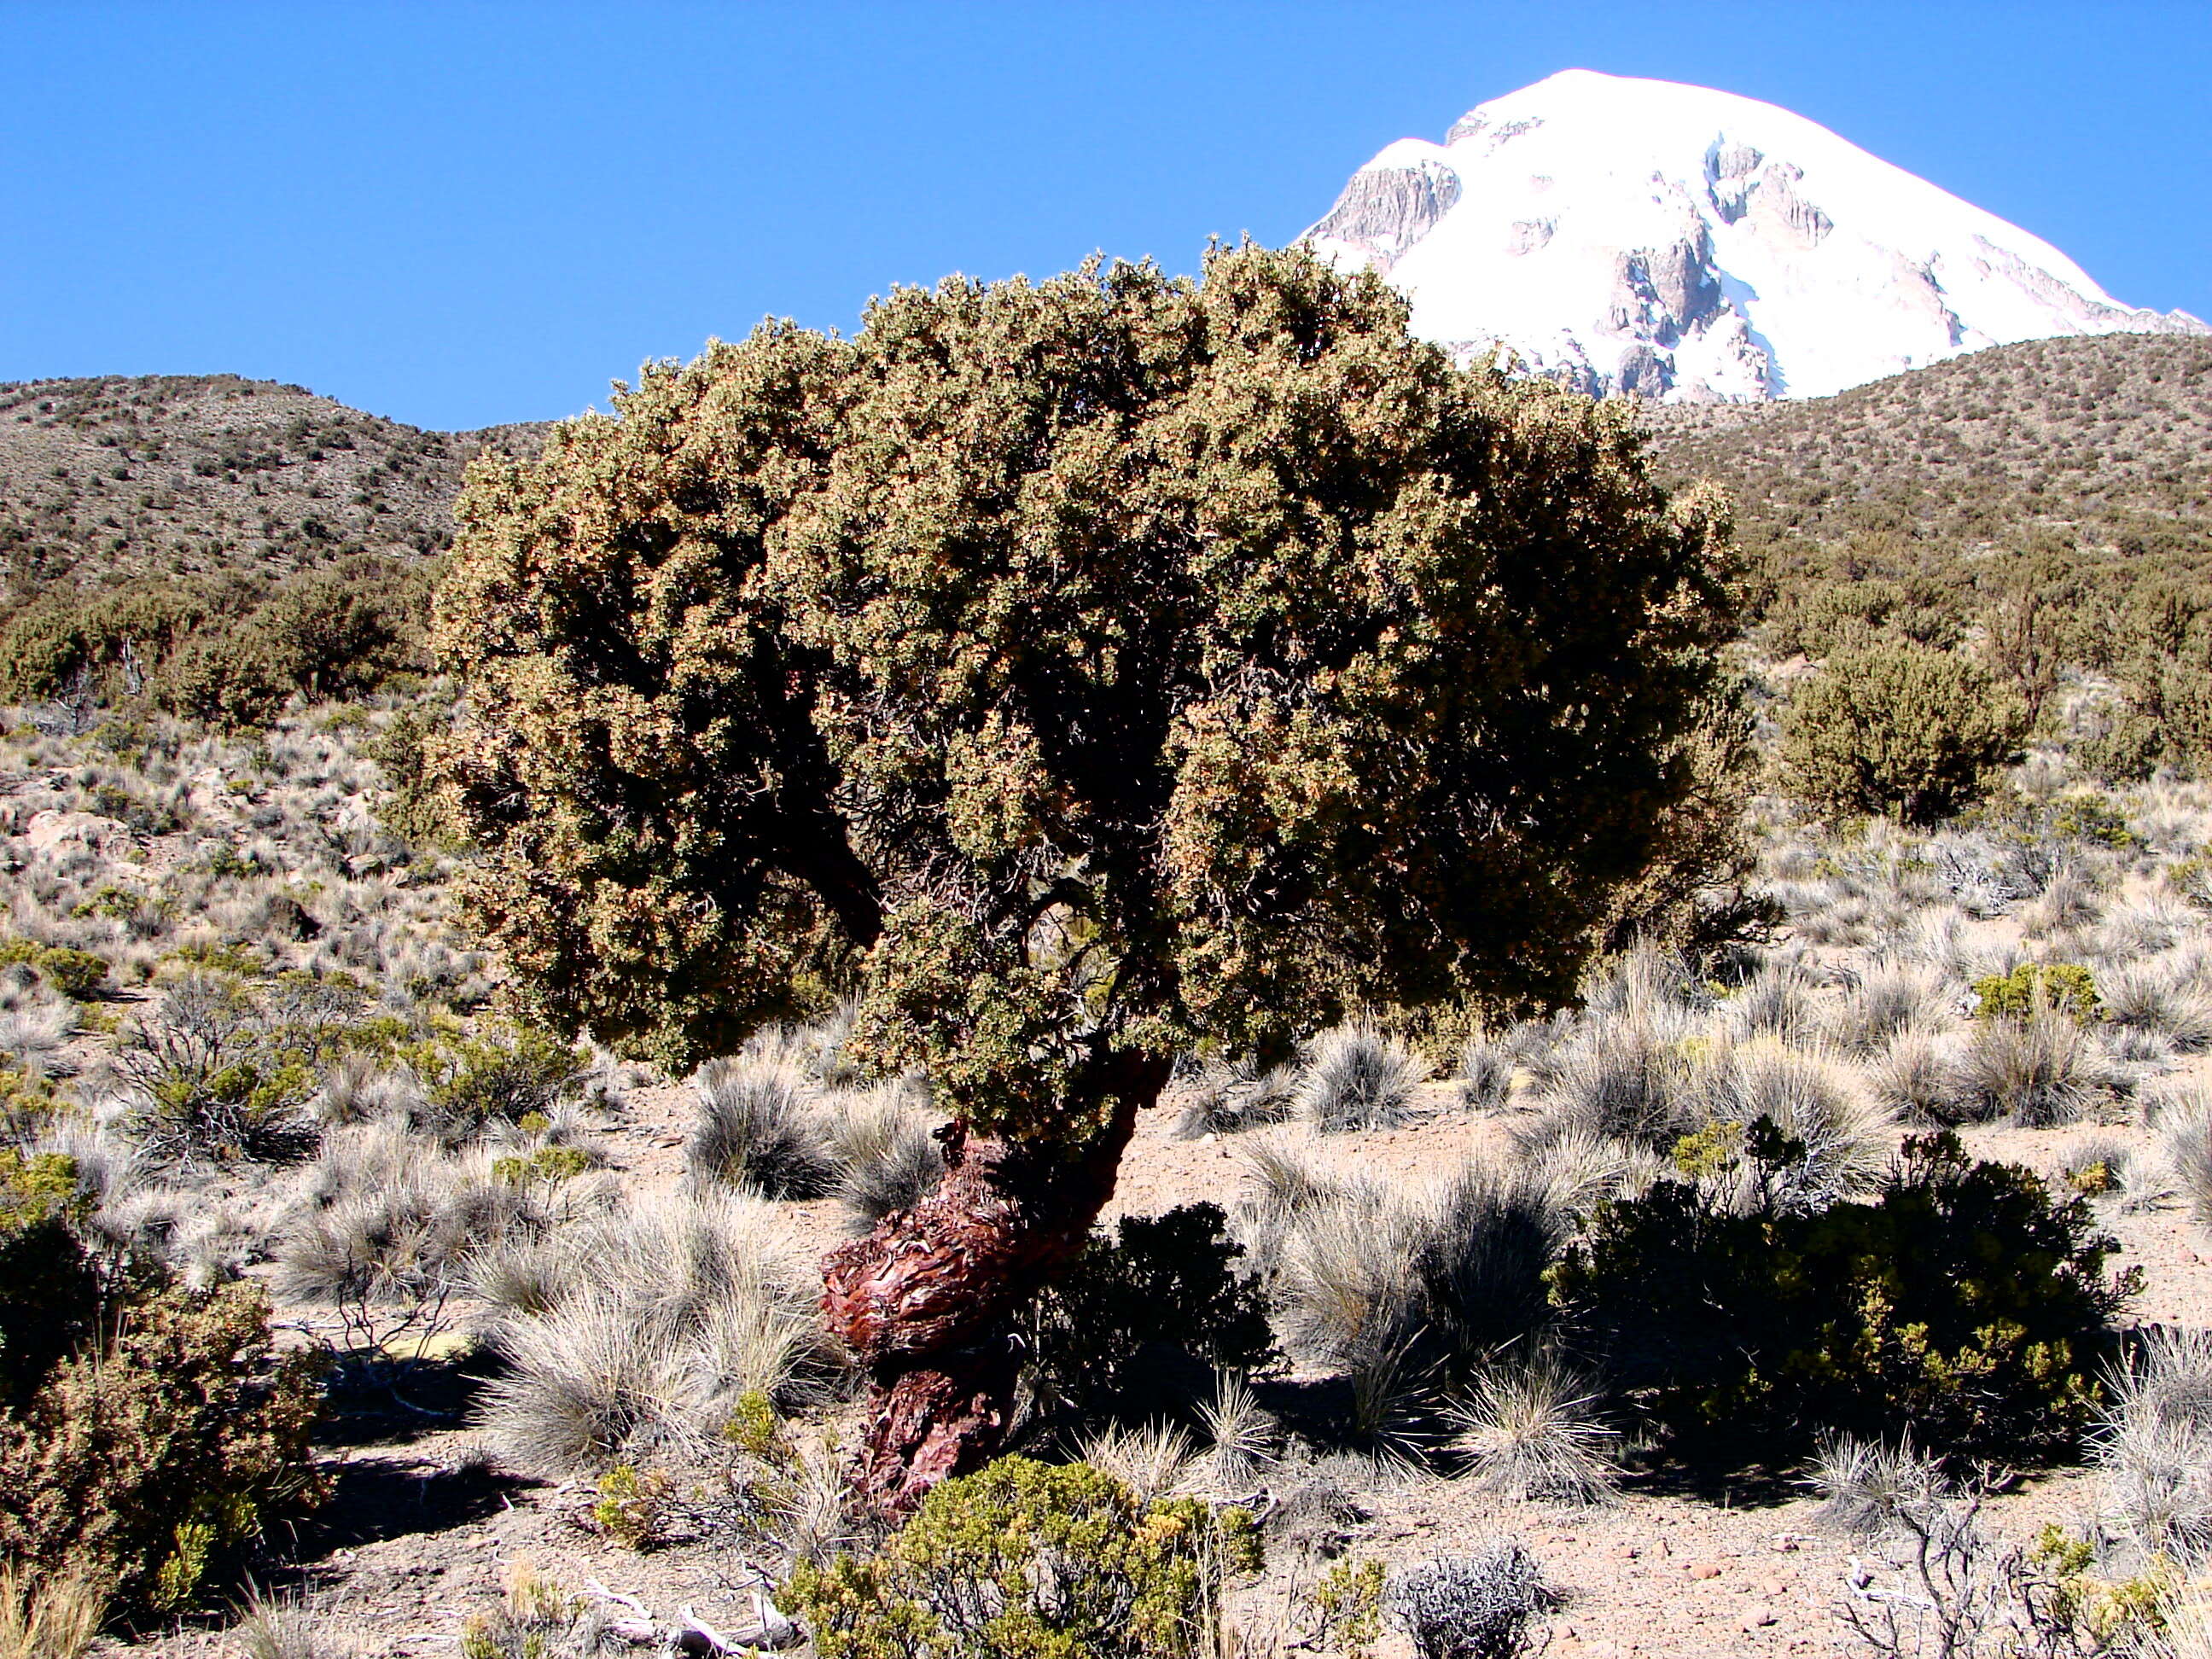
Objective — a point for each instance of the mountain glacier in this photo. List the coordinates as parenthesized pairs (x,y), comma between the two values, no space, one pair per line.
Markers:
(1671,241)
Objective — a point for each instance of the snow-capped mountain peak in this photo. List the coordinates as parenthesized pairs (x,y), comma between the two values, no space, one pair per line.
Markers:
(1668,241)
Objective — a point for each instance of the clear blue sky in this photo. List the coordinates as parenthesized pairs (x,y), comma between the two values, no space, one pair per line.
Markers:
(457,213)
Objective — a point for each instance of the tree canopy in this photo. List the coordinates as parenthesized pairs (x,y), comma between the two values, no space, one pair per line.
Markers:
(1115,662)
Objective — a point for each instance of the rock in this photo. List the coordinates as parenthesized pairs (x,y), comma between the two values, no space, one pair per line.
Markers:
(50,828)
(1759,1619)
(1703,1569)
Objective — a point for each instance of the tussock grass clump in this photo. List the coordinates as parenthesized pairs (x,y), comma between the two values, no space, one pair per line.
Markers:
(1479,1256)
(1811,1100)
(1229,1099)
(2161,998)
(1913,1080)
(760,1127)
(1615,1078)
(2154,1445)
(1486,1074)
(1530,1430)
(1154,1461)
(884,1149)
(1864,1485)
(1359,1077)
(1780,1000)
(1889,1000)
(672,1312)
(1242,1439)
(2038,1071)
(387,1220)
(2185,1140)
(47,1615)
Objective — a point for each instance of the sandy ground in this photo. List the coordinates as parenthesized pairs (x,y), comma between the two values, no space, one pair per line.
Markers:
(417,1540)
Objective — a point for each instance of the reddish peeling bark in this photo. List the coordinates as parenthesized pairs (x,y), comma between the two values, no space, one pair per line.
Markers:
(927,1299)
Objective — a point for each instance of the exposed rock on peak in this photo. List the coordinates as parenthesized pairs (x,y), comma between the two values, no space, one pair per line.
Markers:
(1664,241)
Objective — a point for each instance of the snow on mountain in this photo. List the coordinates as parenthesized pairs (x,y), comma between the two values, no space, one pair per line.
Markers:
(1671,241)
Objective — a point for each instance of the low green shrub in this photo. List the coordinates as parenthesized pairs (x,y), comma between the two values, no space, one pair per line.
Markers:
(498,1073)
(2066,986)
(1961,1303)
(1900,730)
(148,1434)
(1164,1281)
(77,975)
(1027,1560)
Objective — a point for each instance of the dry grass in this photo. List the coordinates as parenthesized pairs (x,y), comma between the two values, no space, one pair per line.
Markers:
(2155,1443)
(1359,1077)
(1530,1430)
(47,1618)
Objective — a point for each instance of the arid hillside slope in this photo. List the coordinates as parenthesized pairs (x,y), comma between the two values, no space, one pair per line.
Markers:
(198,474)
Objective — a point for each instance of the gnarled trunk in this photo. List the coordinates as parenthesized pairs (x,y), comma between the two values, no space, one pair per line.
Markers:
(927,1299)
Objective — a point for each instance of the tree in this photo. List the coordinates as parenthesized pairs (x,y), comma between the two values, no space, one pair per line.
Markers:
(1073,673)
(1900,729)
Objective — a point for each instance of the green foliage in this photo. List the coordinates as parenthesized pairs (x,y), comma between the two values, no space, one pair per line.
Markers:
(550,1164)
(1961,1303)
(412,808)
(1027,1560)
(226,650)
(496,1073)
(1902,729)
(633,1507)
(1070,669)
(2066,986)
(49,1287)
(1348,1605)
(1167,1280)
(77,975)
(159,1451)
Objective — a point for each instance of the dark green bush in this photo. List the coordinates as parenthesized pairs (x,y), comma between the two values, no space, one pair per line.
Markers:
(49,1289)
(1899,730)
(1163,1282)
(1026,1560)
(1960,1304)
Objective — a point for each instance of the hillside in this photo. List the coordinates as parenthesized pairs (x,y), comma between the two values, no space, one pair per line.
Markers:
(196,474)
(2100,441)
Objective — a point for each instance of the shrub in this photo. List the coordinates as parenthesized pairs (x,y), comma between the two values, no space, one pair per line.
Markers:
(211,1077)
(1899,729)
(1167,1281)
(154,1458)
(1471,1607)
(498,1074)
(2064,986)
(50,1290)
(759,1127)
(1025,1560)
(1959,1300)
(1359,1077)
(77,975)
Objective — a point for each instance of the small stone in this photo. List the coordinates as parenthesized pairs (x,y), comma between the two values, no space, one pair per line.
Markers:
(1624,1553)
(1760,1618)
(1702,1570)
(1774,1587)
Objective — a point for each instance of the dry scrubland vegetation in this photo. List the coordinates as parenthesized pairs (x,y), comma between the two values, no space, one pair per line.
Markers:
(1827,1274)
